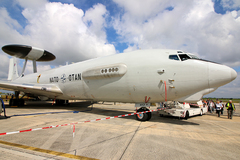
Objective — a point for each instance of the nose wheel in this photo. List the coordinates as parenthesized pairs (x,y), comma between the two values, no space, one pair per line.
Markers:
(143,116)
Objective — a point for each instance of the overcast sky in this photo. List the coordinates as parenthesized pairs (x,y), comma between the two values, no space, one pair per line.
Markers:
(79,30)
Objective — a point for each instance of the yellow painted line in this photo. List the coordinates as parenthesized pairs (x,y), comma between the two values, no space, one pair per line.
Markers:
(34,116)
(46,151)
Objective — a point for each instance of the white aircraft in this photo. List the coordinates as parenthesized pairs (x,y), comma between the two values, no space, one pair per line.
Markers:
(142,76)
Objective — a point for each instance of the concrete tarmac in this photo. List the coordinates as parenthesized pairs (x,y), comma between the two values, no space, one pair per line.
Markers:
(199,137)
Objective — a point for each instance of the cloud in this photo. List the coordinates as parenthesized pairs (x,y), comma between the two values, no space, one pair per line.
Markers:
(230,4)
(190,25)
(140,10)
(31,4)
(96,19)
(60,27)
(9,27)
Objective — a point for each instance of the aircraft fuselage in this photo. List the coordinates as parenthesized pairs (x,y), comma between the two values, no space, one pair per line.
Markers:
(130,77)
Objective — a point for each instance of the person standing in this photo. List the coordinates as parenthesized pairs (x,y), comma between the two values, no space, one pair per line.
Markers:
(218,108)
(222,107)
(2,108)
(230,108)
(211,106)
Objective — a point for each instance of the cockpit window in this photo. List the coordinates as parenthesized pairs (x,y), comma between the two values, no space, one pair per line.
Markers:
(174,57)
(193,56)
(184,57)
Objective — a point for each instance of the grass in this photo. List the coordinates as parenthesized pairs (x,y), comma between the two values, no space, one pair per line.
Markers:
(234,100)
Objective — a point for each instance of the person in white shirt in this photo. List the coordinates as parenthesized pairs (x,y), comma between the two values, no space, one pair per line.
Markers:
(211,106)
(218,108)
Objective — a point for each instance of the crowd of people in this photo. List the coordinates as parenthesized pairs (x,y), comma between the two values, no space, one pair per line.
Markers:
(218,106)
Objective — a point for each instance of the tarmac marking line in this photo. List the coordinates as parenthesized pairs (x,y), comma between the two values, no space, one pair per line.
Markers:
(46,151)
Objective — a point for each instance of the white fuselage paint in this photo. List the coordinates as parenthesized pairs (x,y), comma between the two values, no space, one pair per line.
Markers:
(146,71)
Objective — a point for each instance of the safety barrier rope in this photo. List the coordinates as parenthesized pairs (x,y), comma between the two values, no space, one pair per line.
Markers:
(74,123)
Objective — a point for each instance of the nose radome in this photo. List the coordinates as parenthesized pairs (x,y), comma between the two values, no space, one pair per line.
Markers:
(233,74)
(220,75)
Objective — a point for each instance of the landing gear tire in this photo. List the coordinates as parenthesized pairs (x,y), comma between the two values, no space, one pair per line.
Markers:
(143,116)
(187,115)
(149,116)
(16,102)
(61,102)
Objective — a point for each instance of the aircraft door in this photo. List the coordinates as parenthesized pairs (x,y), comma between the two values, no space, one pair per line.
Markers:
(167,84)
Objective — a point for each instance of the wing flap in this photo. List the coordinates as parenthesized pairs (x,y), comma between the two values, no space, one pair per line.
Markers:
(48,90)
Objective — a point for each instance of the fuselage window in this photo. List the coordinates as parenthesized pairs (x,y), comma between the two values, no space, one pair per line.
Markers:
(174,57)
(184,57)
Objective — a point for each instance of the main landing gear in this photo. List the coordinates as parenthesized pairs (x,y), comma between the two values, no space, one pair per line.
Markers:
(62,102)
(16,101)
(143,116)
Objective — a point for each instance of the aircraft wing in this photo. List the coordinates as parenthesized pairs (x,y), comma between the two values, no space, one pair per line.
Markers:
(49,90)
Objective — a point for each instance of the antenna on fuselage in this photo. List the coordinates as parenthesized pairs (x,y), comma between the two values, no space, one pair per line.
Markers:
(28,53)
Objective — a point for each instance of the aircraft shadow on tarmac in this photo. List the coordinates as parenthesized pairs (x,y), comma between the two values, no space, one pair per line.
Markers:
(87,106)
(73,108)
(49,105)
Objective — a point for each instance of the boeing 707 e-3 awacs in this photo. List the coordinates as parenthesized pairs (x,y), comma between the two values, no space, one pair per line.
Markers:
(137,77)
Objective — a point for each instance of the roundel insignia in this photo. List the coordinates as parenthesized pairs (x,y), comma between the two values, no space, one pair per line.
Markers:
(63,78)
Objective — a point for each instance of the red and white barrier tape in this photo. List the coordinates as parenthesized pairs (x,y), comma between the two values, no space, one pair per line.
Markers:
(73,124)
(73,130)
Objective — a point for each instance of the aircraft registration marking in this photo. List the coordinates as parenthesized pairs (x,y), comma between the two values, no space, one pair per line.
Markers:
(64,78)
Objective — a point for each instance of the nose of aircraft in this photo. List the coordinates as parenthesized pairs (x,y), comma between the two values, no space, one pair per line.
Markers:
(220,75)
(233,74)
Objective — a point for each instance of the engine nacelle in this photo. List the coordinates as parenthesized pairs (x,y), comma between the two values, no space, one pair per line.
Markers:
(43,98)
